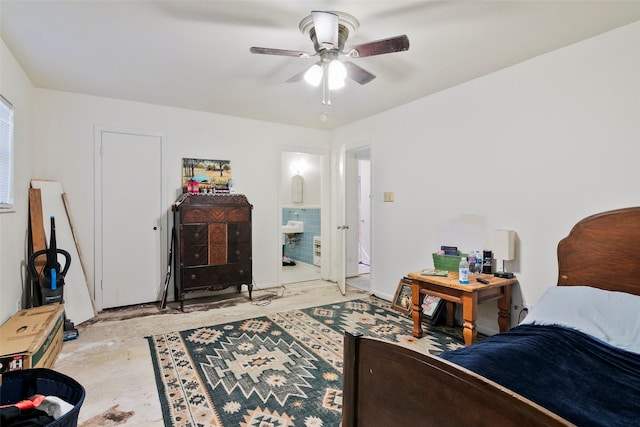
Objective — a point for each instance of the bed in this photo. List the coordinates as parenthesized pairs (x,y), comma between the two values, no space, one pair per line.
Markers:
(574,360)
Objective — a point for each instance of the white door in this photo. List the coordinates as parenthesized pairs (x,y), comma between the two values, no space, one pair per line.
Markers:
(352,213)
(348,214)
(341,219)
(364,211)
(131,218)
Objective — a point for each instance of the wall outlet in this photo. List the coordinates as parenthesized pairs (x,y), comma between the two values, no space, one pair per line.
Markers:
(517,308)
(18,304)
(519,312)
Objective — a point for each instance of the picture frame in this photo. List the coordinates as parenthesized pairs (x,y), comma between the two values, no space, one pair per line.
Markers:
(431,308)
(213,176)
(402,299)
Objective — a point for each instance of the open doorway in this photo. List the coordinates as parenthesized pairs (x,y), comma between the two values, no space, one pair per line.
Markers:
(301,204)
(358,211)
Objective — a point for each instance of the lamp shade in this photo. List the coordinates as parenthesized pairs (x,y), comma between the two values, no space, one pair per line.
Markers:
(504,245)
(313,76)
(337,74)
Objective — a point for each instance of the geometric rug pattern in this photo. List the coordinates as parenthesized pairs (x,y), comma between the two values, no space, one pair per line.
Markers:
(283,369)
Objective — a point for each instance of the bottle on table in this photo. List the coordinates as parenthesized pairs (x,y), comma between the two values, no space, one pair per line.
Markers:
(463,271)
(472,262)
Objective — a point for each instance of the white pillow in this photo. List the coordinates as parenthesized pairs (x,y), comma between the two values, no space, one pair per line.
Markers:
(612,317)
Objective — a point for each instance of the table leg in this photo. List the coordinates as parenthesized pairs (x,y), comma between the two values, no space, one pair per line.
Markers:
(504,309)
(451,310)
(469,315)
(416,309)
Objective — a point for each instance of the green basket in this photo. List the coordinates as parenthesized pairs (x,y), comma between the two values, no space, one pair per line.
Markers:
(447,262)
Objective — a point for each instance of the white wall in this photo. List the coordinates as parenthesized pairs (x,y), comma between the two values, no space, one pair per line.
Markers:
(16,87)
(534,148)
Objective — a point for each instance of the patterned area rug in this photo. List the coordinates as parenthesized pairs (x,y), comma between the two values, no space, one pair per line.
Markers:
(279,370)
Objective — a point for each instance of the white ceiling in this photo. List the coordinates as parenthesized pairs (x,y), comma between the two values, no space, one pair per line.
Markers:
(195,54)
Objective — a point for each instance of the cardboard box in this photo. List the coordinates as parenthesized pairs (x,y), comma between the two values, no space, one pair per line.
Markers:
(32,338)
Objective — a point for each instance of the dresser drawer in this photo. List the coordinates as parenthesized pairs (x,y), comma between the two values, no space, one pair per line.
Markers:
(195,235)
(215,277)
(239,252)
(237,273)
(201,277)
(195,255)
(239,233)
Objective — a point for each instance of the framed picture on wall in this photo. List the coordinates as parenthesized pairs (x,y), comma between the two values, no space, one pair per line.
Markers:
(402,298)
(212,176)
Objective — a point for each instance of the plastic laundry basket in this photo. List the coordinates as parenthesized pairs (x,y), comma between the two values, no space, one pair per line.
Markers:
(20,385)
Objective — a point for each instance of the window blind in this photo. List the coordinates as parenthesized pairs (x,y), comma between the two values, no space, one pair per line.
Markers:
(6,153)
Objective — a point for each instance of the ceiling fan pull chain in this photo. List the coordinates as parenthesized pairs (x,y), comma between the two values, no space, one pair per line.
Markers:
(326,93)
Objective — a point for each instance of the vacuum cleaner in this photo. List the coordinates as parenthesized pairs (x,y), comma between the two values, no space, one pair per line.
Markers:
(52,281)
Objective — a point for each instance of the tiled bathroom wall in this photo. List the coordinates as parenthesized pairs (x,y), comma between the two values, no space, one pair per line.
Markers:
(303,250)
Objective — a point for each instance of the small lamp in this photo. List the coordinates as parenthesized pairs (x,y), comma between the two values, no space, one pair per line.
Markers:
(504,249)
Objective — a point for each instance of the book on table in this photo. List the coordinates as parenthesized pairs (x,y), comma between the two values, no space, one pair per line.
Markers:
(434,272)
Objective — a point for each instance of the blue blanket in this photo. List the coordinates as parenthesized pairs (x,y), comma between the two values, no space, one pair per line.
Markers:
(570,373)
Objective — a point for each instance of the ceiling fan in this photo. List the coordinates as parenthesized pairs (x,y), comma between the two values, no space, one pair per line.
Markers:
(329,30)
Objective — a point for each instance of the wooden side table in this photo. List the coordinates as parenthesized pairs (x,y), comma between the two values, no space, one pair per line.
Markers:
(449,289)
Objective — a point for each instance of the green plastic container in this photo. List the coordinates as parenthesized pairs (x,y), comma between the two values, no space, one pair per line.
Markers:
(447,262)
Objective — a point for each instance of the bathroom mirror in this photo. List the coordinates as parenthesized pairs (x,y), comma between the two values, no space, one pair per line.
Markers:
(296,189)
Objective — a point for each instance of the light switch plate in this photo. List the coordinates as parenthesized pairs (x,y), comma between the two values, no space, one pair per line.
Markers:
(388,196)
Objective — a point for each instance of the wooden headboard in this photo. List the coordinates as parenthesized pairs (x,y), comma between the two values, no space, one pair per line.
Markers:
(603,251)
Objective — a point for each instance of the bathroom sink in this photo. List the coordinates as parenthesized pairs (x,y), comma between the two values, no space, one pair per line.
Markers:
(293,227)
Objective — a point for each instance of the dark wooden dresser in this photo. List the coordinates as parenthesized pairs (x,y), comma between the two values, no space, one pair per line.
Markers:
(213,243)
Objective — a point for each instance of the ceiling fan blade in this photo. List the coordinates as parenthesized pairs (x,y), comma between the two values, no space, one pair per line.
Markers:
(326,27)
(297,77)
(379,47)
(357,73)
(282,52)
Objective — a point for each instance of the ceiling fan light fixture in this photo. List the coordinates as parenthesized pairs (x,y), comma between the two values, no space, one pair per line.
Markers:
(337,74)
(313,76)
(329,31)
